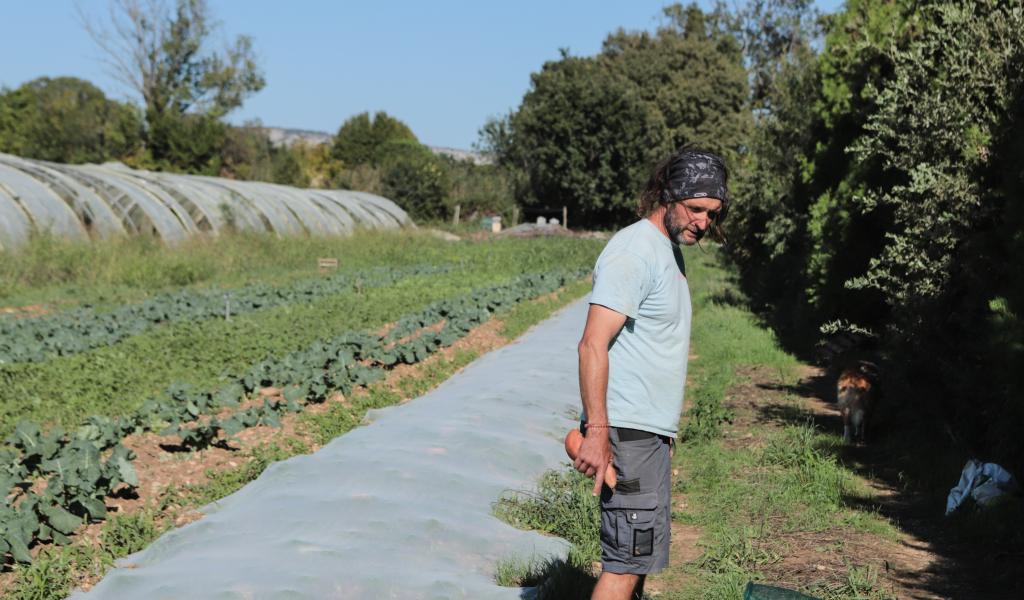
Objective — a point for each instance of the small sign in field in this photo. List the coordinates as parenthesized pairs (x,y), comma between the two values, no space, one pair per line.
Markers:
(327,263)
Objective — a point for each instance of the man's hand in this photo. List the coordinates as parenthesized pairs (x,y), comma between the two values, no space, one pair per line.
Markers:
(595,456)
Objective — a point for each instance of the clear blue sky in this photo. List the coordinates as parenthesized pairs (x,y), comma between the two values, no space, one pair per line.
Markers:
(442,66)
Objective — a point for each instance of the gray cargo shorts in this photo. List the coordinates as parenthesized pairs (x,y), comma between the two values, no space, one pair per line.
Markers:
(636,514)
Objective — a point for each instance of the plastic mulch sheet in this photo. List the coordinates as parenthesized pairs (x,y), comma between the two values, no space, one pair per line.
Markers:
(398,508)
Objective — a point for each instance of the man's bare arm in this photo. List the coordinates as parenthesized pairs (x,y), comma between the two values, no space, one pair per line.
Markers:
(603,324)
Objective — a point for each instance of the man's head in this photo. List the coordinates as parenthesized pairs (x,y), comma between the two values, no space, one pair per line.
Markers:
(687,221)
(688,193)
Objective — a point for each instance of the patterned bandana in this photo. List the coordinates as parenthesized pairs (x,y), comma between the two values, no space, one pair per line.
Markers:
(696,175)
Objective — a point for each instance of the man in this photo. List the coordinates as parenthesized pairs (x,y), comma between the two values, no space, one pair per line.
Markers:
(633,364)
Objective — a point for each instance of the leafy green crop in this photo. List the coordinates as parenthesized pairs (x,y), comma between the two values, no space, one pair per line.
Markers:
(81,329)
(78,479)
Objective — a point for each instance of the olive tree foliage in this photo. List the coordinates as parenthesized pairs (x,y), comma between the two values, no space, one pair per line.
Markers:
(947,134)
(799,234)
(68,120)
(882,194)
(161,52)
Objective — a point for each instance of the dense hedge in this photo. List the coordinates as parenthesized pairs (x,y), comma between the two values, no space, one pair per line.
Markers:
(884,196)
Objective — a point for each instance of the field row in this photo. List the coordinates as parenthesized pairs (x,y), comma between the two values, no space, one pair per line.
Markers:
(84,328)
(78,480)
(116,379)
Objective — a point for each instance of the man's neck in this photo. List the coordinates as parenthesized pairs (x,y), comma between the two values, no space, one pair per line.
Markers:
(657,218)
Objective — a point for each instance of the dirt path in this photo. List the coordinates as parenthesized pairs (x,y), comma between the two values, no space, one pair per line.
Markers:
(927,562)
(921,563)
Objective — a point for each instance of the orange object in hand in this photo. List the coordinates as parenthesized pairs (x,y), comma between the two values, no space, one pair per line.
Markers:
(573,441)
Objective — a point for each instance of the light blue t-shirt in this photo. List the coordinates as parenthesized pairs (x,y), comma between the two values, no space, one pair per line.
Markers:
(640,274)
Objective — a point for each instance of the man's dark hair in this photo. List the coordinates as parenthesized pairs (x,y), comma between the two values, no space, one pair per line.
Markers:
(663,185)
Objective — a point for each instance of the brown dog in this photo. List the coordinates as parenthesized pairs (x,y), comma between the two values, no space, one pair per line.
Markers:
(856,393)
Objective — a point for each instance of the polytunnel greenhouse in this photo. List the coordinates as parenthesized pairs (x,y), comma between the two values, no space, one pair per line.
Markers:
(84,202)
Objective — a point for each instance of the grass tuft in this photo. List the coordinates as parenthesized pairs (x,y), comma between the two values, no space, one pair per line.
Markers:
(562,505)
(224,483)
(126,534)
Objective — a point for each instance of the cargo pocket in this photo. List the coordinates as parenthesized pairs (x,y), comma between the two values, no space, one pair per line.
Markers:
(634,515)
(643,542)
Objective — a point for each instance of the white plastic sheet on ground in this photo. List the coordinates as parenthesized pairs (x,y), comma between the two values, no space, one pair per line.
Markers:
(398,508)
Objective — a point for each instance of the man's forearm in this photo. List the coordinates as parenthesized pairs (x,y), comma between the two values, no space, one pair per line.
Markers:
(594,382)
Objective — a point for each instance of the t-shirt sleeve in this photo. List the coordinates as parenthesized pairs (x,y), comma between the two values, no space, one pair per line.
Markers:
(621,282)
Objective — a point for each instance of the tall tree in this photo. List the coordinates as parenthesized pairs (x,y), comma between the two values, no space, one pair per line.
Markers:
(160,51)
(589,129)
(364,140)
(587,140)
(247,153)
(691,72)
(66,120)
(774,33)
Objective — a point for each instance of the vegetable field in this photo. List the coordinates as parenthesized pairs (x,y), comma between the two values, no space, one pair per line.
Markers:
(194,364)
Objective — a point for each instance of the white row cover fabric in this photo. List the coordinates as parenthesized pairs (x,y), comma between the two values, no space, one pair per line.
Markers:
(83,202)
(398,508)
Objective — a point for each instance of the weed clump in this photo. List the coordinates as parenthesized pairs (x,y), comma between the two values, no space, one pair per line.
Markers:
(561,505)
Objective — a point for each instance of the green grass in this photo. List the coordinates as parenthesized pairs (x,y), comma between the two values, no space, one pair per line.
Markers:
(746,500)
(113,380)
(220,484)
(55,572)
(724,336)
(62,273)
(552,578)
(128,533)
(561,505)
(59,273)
(860,583)
(519,572)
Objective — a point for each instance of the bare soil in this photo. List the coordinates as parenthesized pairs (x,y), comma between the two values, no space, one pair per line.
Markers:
(26,312)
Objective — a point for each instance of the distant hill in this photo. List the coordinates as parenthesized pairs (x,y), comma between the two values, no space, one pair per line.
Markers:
(476,157)
(281,136)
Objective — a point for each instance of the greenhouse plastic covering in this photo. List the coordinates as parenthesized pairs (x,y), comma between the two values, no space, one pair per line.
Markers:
(83,202)
(398,508)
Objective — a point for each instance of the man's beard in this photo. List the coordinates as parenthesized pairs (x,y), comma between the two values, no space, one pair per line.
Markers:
(675,229)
